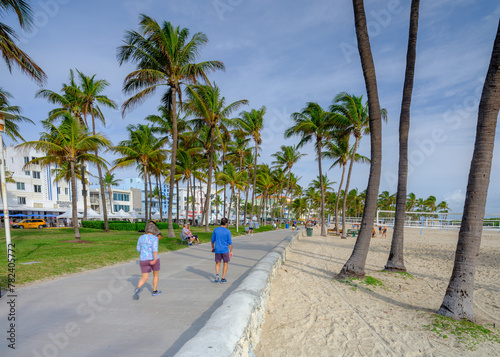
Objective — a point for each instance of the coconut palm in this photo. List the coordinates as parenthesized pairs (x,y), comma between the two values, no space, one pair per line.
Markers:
(164,56)
(236,180)
(69,142)
(12,123)
(210,110)
(139,149)
(12,54)
(313,122)
(252,123)
(338,150)
(410,202)
(458,301)
(355,265)
(286,158)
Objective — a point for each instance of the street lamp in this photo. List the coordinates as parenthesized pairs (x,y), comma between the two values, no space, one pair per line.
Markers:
(3,116)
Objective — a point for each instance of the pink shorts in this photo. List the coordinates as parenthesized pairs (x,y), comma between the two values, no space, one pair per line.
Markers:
(146,266)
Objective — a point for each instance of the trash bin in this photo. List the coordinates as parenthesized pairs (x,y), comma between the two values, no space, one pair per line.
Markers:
(309,232)
(287,226)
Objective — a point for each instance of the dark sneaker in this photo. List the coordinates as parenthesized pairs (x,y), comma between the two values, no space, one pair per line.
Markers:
(217,279)
(156,292)
(136,294)
(223,280)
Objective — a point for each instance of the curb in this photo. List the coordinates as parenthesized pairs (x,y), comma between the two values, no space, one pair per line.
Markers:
(235,326)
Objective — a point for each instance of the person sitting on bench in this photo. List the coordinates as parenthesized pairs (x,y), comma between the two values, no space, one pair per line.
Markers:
(190,236)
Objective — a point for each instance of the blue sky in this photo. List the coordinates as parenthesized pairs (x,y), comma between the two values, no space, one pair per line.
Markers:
(283,54)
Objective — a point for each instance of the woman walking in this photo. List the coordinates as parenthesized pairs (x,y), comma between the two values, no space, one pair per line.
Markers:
(147,246)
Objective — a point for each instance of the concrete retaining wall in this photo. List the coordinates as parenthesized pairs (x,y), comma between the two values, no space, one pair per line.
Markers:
(235,326)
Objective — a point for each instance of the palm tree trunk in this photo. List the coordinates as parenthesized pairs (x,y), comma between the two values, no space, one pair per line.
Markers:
(177,189)
(194,197)
(84,191)
(355,265)
(322,189)
(337,202)
(396,258)
(209,181)
(171,233)
(346,190)
(187,201)
(230,204)
(246,205)
(150,196)
(74,201)
(103,197)
(254,178)
(145,192)
(458,300)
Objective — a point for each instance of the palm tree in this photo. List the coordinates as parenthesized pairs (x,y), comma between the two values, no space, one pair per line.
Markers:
(355,265)
(458,301)
(90,94)
(338,150)
(209,107)
(12,123)
(139,149)
(252,123)
(165,57)
(109,181)
(313,122)
(411,202)
(353,117)
(236,180)
(70,142)
(10,52)
(286,158)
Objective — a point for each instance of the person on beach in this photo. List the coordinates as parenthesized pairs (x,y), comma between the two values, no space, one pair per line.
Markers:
(384,232)
(374,232)
(222,246)
(147,246)
(190,236)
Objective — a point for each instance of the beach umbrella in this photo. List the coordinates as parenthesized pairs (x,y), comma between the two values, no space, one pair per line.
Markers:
(122,214)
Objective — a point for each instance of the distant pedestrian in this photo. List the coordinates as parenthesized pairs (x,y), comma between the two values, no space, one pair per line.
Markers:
(147,246)
(374,232)
(222,246)
(384,232)
(250,227)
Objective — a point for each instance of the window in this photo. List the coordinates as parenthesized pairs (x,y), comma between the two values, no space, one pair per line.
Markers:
(116,208)
(121,197)
(27,173)
(33,158)
(36,174)
(21,200)
(20,186)
(66,191)
(26,159)
(38,188)
(58,190)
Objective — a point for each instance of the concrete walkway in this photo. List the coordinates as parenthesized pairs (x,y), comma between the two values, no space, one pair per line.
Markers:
(93,314)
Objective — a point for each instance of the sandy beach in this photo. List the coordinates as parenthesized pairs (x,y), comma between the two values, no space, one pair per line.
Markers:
(311,314)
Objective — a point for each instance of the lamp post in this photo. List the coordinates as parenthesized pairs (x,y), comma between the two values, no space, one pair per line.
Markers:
(3,116)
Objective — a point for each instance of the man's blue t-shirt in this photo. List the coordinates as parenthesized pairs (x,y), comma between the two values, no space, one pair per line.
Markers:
(222,239)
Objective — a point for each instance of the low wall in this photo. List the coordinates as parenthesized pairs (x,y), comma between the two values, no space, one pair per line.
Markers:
(235,326)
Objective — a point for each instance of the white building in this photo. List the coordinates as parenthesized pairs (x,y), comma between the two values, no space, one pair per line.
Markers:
(35,191)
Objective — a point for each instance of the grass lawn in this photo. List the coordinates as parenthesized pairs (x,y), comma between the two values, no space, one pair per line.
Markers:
(57,257)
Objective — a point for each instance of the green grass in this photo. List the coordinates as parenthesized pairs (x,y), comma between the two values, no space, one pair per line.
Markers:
(58,257)
(403,274)
(366,281)
(468,334)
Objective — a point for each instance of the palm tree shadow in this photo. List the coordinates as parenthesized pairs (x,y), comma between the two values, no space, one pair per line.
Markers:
(38,246)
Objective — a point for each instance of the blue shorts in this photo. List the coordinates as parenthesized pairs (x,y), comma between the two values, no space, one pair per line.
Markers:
(223,256)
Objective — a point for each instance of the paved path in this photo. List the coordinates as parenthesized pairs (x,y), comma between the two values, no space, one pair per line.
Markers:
(93,314)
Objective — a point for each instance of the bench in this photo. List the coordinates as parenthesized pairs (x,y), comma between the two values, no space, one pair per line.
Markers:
(352,232)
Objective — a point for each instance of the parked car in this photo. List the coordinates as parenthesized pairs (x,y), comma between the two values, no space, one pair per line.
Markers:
(30,223)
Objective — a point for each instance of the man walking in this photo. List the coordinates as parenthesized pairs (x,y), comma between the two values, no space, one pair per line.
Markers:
(222,246)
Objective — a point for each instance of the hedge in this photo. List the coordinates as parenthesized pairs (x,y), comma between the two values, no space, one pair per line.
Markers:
(124,225)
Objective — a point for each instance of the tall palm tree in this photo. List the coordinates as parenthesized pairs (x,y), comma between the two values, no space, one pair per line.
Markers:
(210,110)
(354,117)
(338,150)
(90,93)
(458,301)
(139,149)
(411,202)
(286,158)
(12,123)
(236,180)
(395,262)
(252,123)
(165,56)
(313,122)
(69,142)
(12,54)
(109,180)
(355,265)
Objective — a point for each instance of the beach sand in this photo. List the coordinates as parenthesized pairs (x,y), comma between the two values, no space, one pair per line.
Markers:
(311,314)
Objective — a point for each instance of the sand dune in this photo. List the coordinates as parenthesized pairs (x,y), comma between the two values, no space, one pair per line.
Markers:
(311,314)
